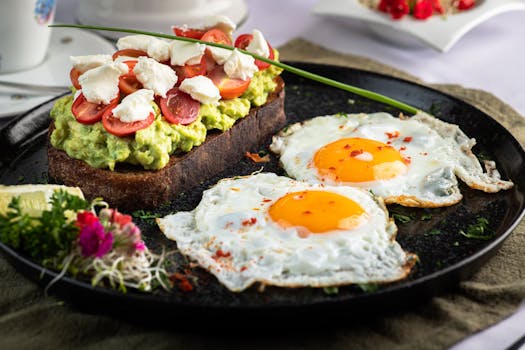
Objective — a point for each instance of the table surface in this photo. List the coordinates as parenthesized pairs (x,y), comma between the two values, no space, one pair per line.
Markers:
(489,57)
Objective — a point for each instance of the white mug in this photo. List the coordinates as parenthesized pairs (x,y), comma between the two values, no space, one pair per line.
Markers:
(24,33)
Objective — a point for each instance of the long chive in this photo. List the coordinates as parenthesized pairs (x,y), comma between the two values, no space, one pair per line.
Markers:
(297,71)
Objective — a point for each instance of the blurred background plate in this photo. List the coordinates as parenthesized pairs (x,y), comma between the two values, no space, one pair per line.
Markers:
(440,33)
(156,15)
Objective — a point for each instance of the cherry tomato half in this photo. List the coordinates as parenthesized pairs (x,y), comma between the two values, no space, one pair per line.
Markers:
(129,53)
(179,108)
(188,32)
(87,112)
(189,71)
(244,40)
(128,83)
(73,76)
(228,87)
(215,35)
(119,128)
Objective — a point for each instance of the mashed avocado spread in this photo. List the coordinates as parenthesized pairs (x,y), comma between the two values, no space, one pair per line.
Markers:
(151,147)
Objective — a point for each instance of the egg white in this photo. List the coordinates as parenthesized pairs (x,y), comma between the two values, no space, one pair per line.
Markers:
(262,251)
(438,152)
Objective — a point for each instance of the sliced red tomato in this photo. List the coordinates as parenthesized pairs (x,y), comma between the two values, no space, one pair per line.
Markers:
(179,108)
(119,128)
(129,53)
(228,87)
(128,83)
(188,32)
(87,112)
(244,40)
(215,35)
(189,71)
(73,76)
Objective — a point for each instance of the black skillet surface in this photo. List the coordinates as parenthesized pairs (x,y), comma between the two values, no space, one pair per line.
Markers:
(445,258)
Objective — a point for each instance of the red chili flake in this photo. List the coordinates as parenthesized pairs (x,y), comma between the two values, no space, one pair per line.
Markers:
(331,202)
(249,222)
(255,157)
(380,148)
(341,126)
(407,160)
(389,142)
(341,160)
(182,282)
(266,200)
(332,168)
(424,153)
(307,212)
(244,268)
(407,139)
(221,254)
(392,135)
(347,146)
(356,152)
(402,148)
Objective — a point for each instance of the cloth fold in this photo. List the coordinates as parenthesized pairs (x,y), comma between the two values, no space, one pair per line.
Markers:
(29,319)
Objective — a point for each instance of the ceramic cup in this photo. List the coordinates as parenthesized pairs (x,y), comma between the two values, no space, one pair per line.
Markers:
(25,34)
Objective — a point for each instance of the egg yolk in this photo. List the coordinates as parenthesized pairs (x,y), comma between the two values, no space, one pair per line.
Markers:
(317,212)
(358,160)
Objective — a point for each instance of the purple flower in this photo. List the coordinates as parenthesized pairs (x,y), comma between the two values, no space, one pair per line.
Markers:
(94,241)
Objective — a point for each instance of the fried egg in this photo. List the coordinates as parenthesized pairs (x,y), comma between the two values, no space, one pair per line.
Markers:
(409,161)
(277,231)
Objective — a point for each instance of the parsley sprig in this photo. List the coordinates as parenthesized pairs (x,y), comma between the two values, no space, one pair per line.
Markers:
(47,238)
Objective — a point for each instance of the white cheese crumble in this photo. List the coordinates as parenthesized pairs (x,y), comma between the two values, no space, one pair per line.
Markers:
(240,66)
(157,49)
(135,107)
(186,53)
(85,63)
(258,45)
(100,85)
(219,55)
(202,89)
(154,75)
(220,22)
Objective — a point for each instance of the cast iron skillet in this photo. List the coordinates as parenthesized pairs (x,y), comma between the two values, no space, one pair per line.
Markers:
(445,258)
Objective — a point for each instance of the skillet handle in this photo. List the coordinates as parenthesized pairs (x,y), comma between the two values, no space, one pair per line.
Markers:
(21,130)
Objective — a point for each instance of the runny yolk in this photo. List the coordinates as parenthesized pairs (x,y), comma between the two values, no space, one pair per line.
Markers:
(317,212)
(358,160)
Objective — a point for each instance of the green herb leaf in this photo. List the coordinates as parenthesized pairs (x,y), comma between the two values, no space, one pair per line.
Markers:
(401,218)
(433,232)
(426,217)
(331,290)
(369,287)
(297,71)
(479,230)
(46,238)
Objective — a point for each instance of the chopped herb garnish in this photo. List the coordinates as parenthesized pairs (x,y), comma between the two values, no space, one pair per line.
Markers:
(456,244)
(426,217)
(433,232)
(144,214)
(331,290)
(479,230)
(401,218)
(369,287)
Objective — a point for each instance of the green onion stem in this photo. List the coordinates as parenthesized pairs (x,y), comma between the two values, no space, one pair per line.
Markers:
(297,71)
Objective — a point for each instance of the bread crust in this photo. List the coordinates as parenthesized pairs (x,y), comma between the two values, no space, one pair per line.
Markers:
(133,188)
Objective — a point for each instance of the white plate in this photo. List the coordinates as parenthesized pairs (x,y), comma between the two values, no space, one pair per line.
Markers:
(54,71)
(441,33)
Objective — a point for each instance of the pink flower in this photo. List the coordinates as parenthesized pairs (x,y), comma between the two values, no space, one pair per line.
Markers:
(94,241)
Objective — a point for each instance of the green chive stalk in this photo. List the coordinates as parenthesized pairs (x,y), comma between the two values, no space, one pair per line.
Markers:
(297,71)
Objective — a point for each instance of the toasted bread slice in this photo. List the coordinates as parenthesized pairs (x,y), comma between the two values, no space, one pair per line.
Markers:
(131,187)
